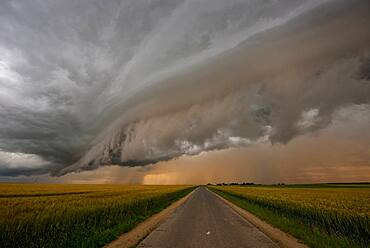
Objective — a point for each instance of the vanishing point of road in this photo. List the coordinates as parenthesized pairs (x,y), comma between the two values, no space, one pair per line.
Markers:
(205,221)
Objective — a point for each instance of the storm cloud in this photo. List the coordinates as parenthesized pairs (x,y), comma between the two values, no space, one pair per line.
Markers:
(91,83)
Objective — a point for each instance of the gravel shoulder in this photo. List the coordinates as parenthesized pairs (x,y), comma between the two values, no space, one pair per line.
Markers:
(205,219)
(281,238)
(133,237)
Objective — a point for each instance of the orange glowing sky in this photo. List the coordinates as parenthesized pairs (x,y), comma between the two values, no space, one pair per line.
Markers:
(185,92)
(338,153)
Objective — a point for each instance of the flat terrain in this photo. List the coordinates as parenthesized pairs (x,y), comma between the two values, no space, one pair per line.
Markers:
(321,215)
(206,221)
(333,215)
(40,215)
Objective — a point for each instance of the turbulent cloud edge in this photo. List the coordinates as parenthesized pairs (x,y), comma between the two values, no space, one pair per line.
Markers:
(183,78)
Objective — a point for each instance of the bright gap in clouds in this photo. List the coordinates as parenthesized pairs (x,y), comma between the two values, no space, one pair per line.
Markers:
(133,83)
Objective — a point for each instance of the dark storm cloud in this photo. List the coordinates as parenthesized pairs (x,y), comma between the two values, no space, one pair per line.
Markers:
(56,58)
(88,83)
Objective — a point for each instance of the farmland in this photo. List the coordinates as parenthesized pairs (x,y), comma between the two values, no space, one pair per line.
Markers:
(77,215)
(319,215)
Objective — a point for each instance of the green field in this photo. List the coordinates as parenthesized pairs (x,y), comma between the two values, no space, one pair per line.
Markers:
(34,215)
(323,215)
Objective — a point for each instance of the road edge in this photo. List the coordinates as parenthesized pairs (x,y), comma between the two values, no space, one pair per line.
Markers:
(283,239)
(135,235)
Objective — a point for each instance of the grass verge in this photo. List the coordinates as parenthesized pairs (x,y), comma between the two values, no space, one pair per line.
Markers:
(86,220)
(308,233)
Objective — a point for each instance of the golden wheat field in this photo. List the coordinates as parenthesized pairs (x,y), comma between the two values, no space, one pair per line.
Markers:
(336,210)
(76,215)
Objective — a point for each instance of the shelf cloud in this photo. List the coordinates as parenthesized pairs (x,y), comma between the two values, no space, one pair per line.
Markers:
(91,83)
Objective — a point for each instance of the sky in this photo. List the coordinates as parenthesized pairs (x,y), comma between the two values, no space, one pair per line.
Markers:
(184,91)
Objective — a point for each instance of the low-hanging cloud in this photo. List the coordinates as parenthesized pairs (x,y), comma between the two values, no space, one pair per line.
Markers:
(87,83)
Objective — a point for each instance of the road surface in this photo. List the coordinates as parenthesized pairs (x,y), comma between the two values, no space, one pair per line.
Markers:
(205,221)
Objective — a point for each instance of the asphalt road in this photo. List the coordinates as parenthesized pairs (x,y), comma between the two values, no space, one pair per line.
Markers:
(205,221)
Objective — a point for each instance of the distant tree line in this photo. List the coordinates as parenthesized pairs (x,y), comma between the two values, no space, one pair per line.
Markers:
(242,184)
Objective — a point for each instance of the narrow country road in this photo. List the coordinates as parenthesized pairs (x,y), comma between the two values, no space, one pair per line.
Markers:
(205,221)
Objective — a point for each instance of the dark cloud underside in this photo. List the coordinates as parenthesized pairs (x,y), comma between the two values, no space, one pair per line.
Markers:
(91,83)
